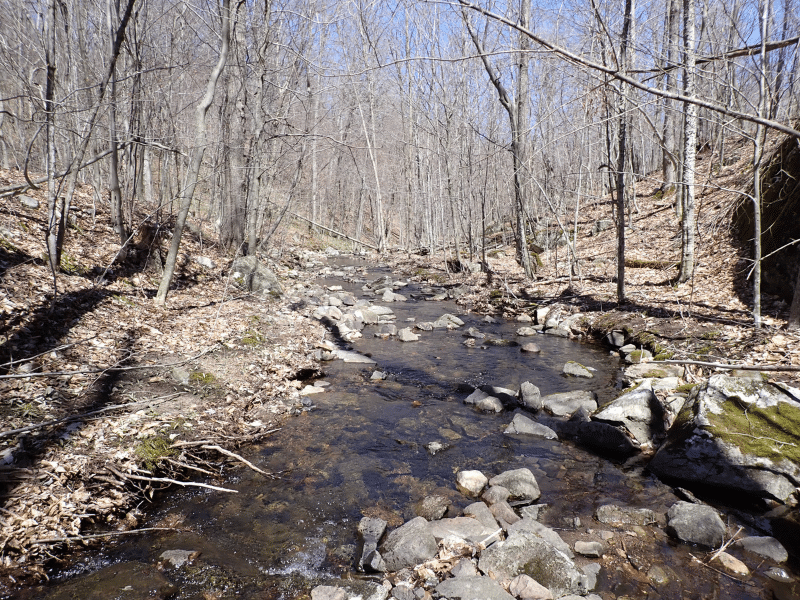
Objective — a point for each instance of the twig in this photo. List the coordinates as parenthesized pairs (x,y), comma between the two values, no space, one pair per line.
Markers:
(184,465)
(84,415)
(168,480)
(94,536)
(237,457)
(728,367)
(725,545)
(56,349)
(761,437)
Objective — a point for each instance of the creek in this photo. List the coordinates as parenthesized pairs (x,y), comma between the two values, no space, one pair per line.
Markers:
(361,450)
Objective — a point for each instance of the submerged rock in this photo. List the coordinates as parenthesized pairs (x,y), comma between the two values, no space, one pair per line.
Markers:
(737,434)
(522,425)
(574,369)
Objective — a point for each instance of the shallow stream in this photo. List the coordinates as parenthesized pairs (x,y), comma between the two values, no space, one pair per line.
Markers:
(361,451)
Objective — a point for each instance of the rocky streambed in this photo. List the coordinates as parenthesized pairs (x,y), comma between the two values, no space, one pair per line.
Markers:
(453,455)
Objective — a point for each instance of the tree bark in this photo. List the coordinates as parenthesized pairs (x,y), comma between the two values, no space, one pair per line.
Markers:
(688,223)
(193,173)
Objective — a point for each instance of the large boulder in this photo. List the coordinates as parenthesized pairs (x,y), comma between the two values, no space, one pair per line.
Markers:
(737,434)
(638,411)
(696,524)
(469,587)
(254,276)
(520,483)
(564,404)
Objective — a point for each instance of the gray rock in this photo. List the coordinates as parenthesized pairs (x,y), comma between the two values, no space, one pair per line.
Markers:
(204,261)
(370,532)
(499,342)
(431,508)
(447,321)
(605,438)
(522,425)
(481,512)
(472,332)
(530,347)
(524,318)
(723,439)
(382,311)
(639,411)
(765,546)
(329,312)
(389,296)
(651,371)
(627,348)
(409,545)
(520,483)
(615,338)
(526,331)
(28,202)
(524,553)
(504,514)
(532,526)
(254,276)
(434,448)
(349,356)
(590,549)
(696,524)
(387,329)
(566,403)
(638,356)
(529,396)
(575,369)
(471,483)
(527,588)
(465,528)
(464,568)
(495,494)
(471,588)
(602,225)
(504,394)
(406,335)
(534,511)
(489,404)
(377,376)
(613,514)
(350,590)
(424,326)
(557,331)
(591,571)
(177,558)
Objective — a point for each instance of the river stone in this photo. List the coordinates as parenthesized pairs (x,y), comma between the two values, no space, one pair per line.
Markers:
(431,508)
(499,342)
(520,483)
(731,563)
(605,438)
(650,371)
(765,546)
(489,404)
(255,276)
(424,326)
(696,524)
(381,311)
(527,588)
(349,356)
(350,590)
(463,568)
(506,395)
(557,331)
(531,525)
(470,588)
(366,315)
(639,411)
(475,397)
(327,312)
(409,545)
(522,425)
(612,514)
(471,483)
(575,369)
(465,528)
(540,314)
(447,321)
(737,434)
(638,357)
(406,335)
(590,549)
(526,331)
(177,558)
(481,512)
(390,296)
(524,553)
(566,403)
(504,514)
(495,494)
(615,338)
(473,332)
(530,347)
(529,396)
(534,511)
(387,329)
(370,531)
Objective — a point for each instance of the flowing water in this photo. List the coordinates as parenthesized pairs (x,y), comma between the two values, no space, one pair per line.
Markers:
(361,451)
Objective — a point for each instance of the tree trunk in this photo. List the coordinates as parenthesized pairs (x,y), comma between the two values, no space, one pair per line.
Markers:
(193,173)
(688,222)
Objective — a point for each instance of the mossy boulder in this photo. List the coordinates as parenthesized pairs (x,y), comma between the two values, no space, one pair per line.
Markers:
(251,274)
(736,434)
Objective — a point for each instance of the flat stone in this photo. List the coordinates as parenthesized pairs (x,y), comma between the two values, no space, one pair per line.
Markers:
(470,588)
(590,549)
(178,558)
(432,508)
(574,369)
(566,403)
(406,335)
(504,514)
(526,331)
(409,545)
(465,528)
(28,202)
(489,404)
(613,514)
(531,348)
(527,588)
(520,483)
(495,494)
(651,371)
(352,357)
(557,331)
(481,512)
(532,526)
(731,563)
(522,425)
(765,546)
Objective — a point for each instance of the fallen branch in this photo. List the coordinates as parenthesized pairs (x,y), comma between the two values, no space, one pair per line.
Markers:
(84,415)
(94,536)
(239,458)
(108,369)
(168,480)
(712,365)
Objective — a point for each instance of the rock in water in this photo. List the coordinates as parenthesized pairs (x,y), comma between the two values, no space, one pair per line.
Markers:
(737,434)
(520,483)
(696,524)
(639,411)
(409,545)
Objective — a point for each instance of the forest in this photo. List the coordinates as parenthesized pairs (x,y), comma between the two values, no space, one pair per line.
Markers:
(414,125)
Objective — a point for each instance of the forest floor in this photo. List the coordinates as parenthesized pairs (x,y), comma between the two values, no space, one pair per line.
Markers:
(106,398)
